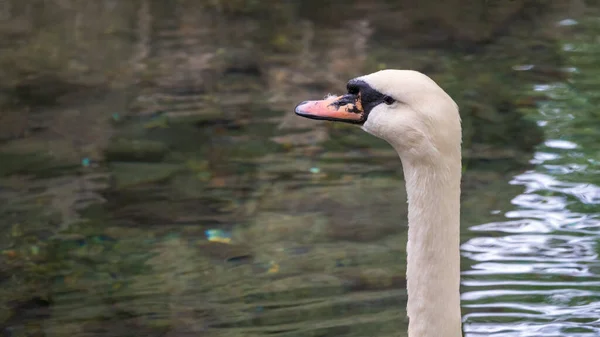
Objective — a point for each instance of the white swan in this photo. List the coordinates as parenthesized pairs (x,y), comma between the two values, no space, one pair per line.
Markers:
(421,121)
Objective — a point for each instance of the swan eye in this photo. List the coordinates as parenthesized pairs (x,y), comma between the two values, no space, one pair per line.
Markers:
(388,100)
(353,90)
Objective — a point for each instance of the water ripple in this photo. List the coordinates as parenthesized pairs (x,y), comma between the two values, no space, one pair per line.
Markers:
(537,271)
(545,261)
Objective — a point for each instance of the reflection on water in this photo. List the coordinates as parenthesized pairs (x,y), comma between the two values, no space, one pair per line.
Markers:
(539,274)
(212,213)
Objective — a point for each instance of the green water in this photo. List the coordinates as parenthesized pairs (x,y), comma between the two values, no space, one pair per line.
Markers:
(174,192)
(535,272)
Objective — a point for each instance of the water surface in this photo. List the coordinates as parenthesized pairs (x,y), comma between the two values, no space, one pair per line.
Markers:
(537,271)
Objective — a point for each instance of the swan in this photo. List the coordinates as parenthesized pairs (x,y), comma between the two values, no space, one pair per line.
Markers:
(421,122)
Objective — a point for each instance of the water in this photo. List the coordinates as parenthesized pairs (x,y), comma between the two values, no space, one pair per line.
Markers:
(216,212)
(538,275)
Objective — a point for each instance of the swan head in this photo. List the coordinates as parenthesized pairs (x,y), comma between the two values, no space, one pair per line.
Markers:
(405,108)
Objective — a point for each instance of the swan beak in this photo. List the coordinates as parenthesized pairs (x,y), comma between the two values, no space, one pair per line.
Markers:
(346,108)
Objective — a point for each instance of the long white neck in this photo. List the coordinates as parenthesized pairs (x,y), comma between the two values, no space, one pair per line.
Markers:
(433,252)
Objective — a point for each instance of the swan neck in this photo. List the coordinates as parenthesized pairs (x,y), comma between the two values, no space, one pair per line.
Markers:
(433,249)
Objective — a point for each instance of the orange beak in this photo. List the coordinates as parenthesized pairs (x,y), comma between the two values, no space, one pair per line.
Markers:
(346,108)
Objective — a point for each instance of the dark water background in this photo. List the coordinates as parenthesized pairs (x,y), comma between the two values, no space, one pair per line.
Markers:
(155,182)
